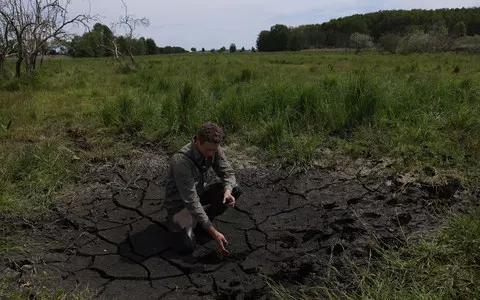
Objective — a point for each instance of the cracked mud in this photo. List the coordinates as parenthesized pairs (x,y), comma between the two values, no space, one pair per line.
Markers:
(293,229)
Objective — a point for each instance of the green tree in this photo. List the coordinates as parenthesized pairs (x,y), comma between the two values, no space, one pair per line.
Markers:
(139,46)
(203,49)
(459,29)
(398,23)
(233,48)
(104,38)
(193,49)
(122,44)
(264,41)
(80,47)
(297,40)
(152,48)
(389,42)
(242,50)
(280,36)
(361,41)
(223,49)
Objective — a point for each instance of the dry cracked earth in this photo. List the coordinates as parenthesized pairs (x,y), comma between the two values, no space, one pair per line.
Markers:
(290,228)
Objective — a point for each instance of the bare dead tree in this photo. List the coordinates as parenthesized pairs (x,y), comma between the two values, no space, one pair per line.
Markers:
(12,13)
(128,23)
(113,47)
(7,43)
(34,23)
(50,22)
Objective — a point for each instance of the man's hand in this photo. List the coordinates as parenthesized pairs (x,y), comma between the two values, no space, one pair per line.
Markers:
(219,238)
(221,242)
(228,198)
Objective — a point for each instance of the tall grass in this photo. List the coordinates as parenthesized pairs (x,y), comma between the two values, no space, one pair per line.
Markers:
(290,104)
(415,109)
(445,265)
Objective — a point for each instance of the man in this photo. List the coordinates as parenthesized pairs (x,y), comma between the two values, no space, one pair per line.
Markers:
(188,199)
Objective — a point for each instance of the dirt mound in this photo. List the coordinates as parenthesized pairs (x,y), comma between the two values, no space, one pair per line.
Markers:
(293,228)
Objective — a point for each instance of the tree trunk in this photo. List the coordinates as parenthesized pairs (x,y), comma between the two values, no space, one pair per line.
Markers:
(18,67)
(41,61)
(28,67)
(30,64)
(2,63)
(34,62)
(131,58)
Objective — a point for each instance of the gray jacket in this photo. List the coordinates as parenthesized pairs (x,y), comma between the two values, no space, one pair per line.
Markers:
(186,180)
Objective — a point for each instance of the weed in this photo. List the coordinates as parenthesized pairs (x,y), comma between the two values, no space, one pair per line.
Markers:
(125,69)
(122,114)
(413,67)
(186,103)
(245,76)
(361,101)
(441,266)
(396,109)
(273,135)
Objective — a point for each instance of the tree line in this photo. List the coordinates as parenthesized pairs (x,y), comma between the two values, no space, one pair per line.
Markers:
(102,42)
(390,30)
(29,29)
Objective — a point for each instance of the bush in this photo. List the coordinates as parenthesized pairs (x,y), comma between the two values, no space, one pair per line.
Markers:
(20,84)
(419,41)
(125,69)
(468,43)
(389,42)
(245,76)
(122,115)
(361,40)
(361,100)
(273,134)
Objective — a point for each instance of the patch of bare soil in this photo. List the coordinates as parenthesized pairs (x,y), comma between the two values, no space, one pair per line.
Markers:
(291,227)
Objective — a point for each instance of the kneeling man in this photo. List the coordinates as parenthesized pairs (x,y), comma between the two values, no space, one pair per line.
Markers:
(189,199)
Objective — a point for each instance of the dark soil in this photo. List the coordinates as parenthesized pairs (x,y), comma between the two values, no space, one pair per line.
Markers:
(293,228)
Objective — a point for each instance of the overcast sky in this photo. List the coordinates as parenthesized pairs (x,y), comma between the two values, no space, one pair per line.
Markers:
(217,23)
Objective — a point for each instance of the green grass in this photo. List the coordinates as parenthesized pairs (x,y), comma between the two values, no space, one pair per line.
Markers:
(414,109)
(444,265)
(41,289)
(422,111)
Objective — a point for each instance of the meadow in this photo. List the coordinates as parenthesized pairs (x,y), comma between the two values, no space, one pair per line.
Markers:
(421,111)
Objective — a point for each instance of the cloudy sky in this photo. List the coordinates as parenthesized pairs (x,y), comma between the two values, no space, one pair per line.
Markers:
(217,23)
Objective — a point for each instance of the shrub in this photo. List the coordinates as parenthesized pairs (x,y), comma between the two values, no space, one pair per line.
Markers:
(468,43)
(245,76)
(361,100)
(121,114)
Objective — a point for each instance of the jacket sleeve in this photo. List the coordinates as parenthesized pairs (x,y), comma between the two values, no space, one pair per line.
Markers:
(224,170)
(185,181)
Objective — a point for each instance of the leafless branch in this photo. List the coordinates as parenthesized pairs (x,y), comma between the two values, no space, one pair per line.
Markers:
(34,23)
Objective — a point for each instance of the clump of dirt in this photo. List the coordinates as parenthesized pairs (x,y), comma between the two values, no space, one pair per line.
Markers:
(78,139)
(291,227)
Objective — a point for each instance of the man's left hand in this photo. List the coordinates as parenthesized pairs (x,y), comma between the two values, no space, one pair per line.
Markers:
(228,198)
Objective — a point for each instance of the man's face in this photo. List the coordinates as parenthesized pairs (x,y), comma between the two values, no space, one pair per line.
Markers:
(207,149)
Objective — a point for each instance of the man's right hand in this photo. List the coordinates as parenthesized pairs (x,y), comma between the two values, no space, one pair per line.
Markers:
(220,239)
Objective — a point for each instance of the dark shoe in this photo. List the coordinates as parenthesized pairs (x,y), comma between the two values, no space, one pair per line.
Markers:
(182,243)
(201,234)
(237,191)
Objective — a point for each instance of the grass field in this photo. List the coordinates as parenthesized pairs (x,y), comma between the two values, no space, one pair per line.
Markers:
(421,111)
